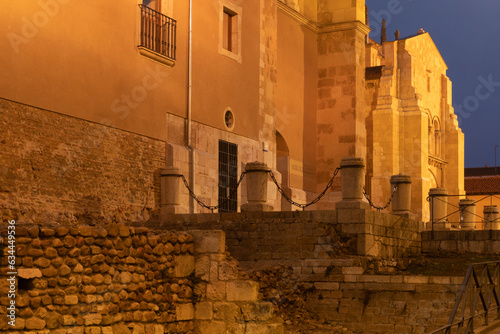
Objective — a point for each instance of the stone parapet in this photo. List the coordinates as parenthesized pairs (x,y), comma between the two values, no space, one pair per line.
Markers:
(291,238)
(468,241)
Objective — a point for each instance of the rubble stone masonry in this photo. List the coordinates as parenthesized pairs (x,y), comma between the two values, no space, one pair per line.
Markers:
(124,280)
(112,280)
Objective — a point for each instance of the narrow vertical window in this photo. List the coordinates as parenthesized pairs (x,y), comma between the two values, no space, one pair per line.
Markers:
(230,30)
(228,176)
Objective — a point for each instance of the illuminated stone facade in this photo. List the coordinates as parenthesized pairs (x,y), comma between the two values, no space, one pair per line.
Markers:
(295,84)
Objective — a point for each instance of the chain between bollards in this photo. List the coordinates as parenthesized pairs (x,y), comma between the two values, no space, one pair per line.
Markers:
(213,207)
(303,206)
(380,208)
(273,178)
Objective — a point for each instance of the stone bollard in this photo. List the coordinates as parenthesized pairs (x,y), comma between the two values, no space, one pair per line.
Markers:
(352,174)
(439,206)
(352,178)
(491,217)
(402,198)
(170,191)
(467,214)
(257,176)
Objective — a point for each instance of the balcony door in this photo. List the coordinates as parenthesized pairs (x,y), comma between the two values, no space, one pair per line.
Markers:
(156,26)
(153,4)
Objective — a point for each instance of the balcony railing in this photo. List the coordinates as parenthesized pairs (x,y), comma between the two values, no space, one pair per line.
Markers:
(158,32)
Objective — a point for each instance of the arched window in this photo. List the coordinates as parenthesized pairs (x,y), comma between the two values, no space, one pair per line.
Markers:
(431,138)
(437,138)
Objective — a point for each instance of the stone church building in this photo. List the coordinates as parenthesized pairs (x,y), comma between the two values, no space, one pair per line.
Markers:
(97,97)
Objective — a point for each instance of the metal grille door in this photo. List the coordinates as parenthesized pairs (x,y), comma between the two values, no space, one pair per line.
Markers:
(228,176)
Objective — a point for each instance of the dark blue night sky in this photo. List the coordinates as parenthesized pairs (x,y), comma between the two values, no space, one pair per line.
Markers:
(467,33)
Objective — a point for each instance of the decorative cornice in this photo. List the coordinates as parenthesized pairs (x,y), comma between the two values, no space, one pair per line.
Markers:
(300,18)
(353,25)
(436,162)
(322,29)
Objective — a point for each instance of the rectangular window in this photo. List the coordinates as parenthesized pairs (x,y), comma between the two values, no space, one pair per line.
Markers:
(230,30)
(228,176)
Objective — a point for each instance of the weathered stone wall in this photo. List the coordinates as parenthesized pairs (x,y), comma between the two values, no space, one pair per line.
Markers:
(112,280)
(382,303)
(482,241)
(64,169)
(123,280)
(291,238)
(227,300)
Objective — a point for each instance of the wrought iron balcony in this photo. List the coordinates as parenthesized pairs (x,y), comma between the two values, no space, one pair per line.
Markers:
(158,32)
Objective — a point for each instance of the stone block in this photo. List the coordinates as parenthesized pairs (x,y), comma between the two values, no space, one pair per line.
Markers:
(258,328)
(216,291)
(326,285)
(212,327)
(209,241)
(202,267)
(71,300)
(203,311)
(440,280)
(184,312)
(35,323)
(183,265)
(92,319)
(227,311)
(416,279)
(242,291)
(258,311)
(352,270)
(28,273)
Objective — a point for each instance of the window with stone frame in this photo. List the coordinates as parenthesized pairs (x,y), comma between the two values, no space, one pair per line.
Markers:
(230,30)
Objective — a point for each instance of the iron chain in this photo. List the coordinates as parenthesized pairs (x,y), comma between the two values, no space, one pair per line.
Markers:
(380,208)
(273,178)
(213,207)
(300,205)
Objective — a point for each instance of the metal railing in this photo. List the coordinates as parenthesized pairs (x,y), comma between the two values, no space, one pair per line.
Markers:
(478,298)
(158,32)
(459,210)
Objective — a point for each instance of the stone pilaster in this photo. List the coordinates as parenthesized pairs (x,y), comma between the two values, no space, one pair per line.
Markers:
(341,128)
